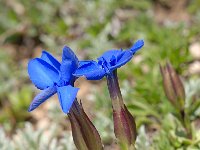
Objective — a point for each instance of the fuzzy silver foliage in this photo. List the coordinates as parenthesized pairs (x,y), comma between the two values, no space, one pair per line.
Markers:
(31,139)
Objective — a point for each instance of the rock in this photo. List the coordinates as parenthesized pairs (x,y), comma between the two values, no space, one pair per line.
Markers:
(194,50)
(194,68)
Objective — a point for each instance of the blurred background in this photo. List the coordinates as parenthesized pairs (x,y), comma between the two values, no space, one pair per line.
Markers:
(171,31)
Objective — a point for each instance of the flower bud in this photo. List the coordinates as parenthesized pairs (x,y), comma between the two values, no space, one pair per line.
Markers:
(173,86)
(124,126)
(85,135)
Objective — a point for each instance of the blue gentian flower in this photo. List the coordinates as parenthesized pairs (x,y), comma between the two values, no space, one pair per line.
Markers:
(51,76)
(107,63)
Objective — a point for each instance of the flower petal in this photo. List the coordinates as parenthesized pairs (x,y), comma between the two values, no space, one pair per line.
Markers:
(109,55)
(68,54)
(126,57)
(90,69)
(136,46)
(50,59)
(66,95)
(42,97)
(42,74)
(66,70)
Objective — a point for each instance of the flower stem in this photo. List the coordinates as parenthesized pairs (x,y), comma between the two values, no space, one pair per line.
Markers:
(186,123)
(114,90)
(124,123)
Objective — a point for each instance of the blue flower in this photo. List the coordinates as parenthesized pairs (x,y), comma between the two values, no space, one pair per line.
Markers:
(106,63)
(51,76)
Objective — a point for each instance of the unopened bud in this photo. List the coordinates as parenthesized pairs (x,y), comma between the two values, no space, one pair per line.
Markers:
(85,135)
(173,86)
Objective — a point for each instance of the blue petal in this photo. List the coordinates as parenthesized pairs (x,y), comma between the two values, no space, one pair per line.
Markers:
(68,54)
(42,97)
(136,46)
(42,74)
(66,70)
(109,55)
(90,69)
(126,57)
(66,95)
(50,59)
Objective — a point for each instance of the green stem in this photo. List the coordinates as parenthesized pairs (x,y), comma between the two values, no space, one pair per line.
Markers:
(186,123)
